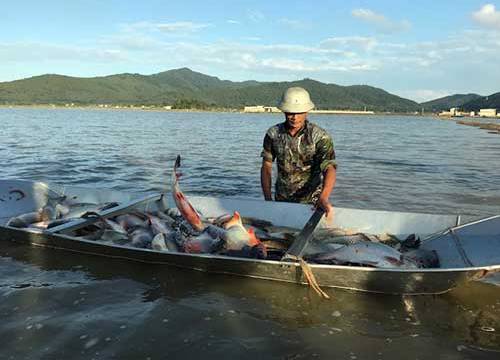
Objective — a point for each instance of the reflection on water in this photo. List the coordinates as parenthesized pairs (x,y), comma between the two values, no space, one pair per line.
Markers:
(81,305)
(62,305)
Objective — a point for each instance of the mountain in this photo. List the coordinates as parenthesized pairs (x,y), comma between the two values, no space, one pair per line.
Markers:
(187,87)
(448,102)
(485,102)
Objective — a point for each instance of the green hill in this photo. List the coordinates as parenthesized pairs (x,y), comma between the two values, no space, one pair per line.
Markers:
(448,102)
(486,102)
(184,86)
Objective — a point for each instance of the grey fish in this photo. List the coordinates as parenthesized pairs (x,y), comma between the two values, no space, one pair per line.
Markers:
(45,213)
(158,226)
(117,237)
(24,220)
(141,237)
(158,243)
(167,219)
(202,244)
(368,254)
(129,221)
(113,225)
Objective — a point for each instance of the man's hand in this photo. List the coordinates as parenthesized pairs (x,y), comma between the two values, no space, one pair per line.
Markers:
(324,203)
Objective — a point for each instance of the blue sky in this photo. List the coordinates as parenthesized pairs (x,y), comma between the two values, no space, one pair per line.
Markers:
(419,51)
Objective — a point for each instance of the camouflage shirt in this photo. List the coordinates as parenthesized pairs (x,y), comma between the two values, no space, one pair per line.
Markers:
(301,161)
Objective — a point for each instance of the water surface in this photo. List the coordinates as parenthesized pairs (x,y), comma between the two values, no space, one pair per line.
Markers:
(61,305)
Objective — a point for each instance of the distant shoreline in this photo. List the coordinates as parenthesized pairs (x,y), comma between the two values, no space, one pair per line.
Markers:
(214,110)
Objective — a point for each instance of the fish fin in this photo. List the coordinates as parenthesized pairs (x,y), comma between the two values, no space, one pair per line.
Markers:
(235,220)
(253,240)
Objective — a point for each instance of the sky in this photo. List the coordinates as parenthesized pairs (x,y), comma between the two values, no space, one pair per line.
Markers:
(420,51)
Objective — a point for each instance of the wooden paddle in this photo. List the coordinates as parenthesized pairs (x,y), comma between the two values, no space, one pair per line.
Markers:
(297,248)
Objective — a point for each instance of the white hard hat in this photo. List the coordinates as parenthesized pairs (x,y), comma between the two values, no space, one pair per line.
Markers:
(295,100)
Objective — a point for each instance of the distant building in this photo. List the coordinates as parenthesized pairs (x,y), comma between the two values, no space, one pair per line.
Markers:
(167,107)
(254,109)
(455,112)
(260,109)
(272,109)
(488,112)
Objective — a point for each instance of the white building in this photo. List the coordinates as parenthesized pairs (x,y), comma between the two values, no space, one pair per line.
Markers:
(254,109)
(488,112)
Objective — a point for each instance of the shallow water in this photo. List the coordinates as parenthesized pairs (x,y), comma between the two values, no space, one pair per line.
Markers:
(61,305)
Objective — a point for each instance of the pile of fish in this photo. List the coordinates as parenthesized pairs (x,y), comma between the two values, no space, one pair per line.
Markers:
(182,229)
(339,247)
(179,229)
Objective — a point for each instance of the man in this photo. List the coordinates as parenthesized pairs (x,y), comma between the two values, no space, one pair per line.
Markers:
(304,154)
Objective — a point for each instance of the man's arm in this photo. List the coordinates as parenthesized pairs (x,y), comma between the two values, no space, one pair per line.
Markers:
(326,156)
(266,172)
(329,178)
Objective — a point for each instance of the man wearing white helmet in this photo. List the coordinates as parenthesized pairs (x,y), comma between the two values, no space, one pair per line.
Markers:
(304,154)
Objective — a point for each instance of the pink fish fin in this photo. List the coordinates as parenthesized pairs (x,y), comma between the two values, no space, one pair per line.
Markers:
(235,220)
(253,240)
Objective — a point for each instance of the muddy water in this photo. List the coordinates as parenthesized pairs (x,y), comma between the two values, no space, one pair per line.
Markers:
(57,305)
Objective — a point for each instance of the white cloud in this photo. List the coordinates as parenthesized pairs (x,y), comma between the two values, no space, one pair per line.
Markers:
(294,24)
(381,22)
(365,43)
(181,27)
(175,28)
(38,52)
(487,16)
(464,62)
(255,15)
(231,21)
(251,38)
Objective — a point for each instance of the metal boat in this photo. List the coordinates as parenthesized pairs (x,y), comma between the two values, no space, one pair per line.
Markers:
(466,251)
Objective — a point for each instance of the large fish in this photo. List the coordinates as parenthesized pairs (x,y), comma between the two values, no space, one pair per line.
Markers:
(187,211)
(237,236)
(202,244)
(44,214)
(366,253)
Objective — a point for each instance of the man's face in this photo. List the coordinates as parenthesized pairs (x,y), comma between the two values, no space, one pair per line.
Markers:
(295,121)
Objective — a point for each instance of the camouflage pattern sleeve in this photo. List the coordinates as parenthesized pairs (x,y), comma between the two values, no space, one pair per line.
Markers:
(325,152)
(267,151)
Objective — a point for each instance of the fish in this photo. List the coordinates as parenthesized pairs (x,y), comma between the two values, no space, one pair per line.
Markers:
(116,227)
(116,237)
(129,221)
(202,244)
(237,236)
(187,210)
(158,243)
(25,220)
(165,217)
(44,214)
(141,237)
(158,226)
(365,253)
